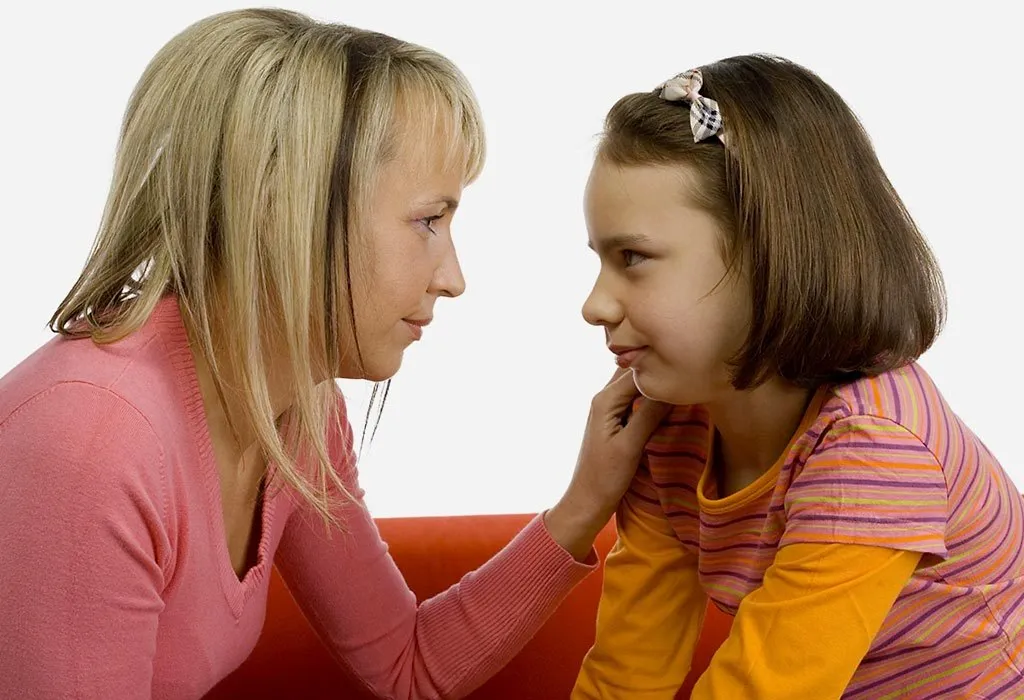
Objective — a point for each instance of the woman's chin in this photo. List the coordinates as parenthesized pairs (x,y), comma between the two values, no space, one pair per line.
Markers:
(374,370)
(382,369)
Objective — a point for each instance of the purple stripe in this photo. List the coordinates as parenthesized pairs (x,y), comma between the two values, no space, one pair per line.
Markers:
(855,386)
(975,475)
(756,581)
(944,693)
(991,552)
(675,485)
(895,397)
(924,664)
(949,633)
(676,513)
(899,634)
(652,451)
(1014,561)
(1012,609)
(740,545)
(963,543)
(1008,685)
(927,407)
(895,522)
(695,422)
(948,434)
(873,482)
(645,499)
(963,445)
(745,518)
(870,444)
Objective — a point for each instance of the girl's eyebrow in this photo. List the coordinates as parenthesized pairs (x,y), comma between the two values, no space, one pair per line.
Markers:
(619,240)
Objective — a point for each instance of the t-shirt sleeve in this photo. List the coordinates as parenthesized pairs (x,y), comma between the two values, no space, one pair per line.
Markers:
(804,632)
(870,481)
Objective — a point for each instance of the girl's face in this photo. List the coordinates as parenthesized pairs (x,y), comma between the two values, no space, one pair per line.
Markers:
(405,260)
(668,311)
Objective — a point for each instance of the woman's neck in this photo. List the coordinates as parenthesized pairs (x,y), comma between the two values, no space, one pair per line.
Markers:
(222,391)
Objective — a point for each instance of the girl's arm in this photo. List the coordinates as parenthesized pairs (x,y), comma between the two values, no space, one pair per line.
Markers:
(804,632)
(650,614)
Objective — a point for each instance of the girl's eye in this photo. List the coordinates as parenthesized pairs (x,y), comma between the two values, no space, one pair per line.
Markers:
(631,257)
(428,221)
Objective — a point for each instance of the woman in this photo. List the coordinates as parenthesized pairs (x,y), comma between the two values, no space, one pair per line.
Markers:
(279,216)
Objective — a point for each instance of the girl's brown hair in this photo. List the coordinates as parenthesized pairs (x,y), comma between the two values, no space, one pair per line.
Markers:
(842,282)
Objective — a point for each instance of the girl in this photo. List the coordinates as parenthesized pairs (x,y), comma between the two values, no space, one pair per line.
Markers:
(759,272)
(280,215)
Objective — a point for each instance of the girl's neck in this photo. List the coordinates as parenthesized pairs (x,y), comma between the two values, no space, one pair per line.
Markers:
(755,426)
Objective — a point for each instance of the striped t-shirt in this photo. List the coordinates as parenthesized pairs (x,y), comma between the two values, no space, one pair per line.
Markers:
(880,461)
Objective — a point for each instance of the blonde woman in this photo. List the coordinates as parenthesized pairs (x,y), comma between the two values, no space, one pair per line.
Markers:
(279,216)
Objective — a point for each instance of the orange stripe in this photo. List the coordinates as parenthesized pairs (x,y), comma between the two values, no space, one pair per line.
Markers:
(875,393)
(989,678)
(820,462)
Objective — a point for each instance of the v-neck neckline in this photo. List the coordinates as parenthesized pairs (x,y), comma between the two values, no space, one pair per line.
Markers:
(236,591)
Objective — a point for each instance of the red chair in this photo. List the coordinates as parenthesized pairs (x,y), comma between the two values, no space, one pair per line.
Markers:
(433,553)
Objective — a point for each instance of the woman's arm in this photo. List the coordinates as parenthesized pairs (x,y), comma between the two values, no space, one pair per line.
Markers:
(650,615)
(356,598)
(81,527)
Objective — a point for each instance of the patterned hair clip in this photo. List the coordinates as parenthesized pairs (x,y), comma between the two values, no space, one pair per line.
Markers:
(705,117)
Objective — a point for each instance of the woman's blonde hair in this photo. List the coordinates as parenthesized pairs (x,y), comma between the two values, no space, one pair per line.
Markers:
(247,155)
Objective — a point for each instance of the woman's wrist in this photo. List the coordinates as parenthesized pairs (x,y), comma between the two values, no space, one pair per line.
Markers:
(574,524)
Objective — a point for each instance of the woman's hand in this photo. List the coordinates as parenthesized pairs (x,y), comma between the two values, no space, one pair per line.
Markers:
(612,445)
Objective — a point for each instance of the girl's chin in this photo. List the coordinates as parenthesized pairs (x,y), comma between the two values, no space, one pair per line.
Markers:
(666,389)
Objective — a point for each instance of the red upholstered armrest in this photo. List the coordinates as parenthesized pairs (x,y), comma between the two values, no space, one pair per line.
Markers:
(433,553)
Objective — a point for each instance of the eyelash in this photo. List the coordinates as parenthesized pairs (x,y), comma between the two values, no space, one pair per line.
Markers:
(428,220)
(628,254)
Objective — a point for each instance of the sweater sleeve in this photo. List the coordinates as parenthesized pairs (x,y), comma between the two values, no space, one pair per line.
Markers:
(805,631)
(651,610)
(82,509)
(352,592)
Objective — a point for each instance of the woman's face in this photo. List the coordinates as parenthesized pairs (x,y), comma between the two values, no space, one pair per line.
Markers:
(406,257)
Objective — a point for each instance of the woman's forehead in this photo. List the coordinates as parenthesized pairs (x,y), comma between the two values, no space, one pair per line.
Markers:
(432,133)
(430,155)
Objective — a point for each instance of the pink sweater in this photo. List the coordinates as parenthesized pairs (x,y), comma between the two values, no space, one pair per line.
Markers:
(115,580)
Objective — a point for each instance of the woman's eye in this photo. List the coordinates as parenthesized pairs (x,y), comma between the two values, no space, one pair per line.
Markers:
(631,257)
(428,222)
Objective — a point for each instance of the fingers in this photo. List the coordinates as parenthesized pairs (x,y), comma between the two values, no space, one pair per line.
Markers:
(622,384)
(617,394)
(646,417)
(620,372)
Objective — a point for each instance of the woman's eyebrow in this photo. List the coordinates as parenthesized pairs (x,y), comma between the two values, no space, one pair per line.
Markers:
(449,202)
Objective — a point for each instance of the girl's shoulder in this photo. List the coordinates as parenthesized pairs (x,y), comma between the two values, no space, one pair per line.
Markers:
(901,407)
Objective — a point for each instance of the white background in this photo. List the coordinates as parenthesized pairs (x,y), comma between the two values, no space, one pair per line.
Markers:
(487,413)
